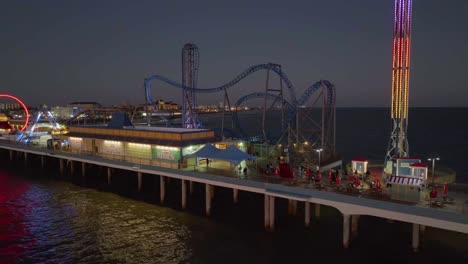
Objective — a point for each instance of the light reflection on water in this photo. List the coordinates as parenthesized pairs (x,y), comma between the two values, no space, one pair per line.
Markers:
(60,222)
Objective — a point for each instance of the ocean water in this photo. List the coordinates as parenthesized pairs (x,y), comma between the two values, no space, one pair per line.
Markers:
(48,218)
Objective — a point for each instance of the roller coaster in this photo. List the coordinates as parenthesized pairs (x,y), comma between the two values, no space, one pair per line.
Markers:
(297,118)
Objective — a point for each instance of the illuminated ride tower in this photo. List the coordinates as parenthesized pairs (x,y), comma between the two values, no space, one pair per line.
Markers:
(190,63)
(398,144)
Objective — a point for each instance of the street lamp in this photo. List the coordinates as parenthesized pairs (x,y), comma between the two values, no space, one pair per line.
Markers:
(433,165)
(318,151)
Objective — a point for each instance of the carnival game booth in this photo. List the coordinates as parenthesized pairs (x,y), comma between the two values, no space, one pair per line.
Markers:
(158,146)
(407,182)
(359,165)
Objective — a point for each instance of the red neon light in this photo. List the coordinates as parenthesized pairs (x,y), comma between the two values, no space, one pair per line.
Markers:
(22,105)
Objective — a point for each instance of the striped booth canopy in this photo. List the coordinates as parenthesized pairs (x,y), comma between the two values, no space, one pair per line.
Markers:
(405,180)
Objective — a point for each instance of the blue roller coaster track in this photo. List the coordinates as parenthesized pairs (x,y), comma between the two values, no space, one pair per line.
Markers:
(253,69)
(293,103)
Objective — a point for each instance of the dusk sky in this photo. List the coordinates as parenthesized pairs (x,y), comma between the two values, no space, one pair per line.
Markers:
(56,52)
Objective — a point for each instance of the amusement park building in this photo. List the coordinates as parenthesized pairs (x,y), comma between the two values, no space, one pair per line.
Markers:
(9,106)
(85,105)
(160,146)
(63,112)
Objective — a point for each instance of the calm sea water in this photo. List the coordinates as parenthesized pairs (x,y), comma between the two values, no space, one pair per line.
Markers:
(47,218)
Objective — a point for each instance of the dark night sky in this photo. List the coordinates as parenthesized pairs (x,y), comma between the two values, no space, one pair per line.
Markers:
(55,52)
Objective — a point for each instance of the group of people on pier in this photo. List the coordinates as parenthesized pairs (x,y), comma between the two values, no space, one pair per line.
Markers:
(335,176)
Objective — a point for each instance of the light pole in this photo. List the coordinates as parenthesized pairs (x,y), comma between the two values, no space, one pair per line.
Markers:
(433,165)
(318,151)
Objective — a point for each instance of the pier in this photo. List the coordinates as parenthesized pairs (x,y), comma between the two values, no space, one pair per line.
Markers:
(421,215)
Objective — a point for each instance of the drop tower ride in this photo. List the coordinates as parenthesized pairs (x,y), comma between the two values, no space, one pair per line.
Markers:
(398,144)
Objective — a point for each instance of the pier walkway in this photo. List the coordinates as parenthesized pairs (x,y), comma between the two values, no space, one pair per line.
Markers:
(350,202)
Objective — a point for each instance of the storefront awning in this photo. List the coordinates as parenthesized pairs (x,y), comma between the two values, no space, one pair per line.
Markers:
(405,180)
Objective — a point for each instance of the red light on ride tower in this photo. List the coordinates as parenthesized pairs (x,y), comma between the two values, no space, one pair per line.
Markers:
(398,145)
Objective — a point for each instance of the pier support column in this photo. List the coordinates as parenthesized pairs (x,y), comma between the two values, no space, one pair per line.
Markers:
(415,237)
(292,207)
(267,212)
(109,175)
(272,213)
(191,187)
(162,188)
(25,158)
(345,230)
(83,169)
(317,211)
(306,214)
(61,166)
(42,161)
(72,169)
(354,224)
(140,179)
(11,155)
(184,194)
(208,195)
(235,195)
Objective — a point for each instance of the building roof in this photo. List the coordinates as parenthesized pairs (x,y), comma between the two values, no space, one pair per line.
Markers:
(419,165)
(178,130)
(230,154)
(154,141)
(170,129)
(359,159)
(83,103)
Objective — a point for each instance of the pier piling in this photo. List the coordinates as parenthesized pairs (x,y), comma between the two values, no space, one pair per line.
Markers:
(354,224)
(208,195)
(191,187)
(317,211)
(109,175)
(61,166)
(11,155)
(184,194)
(306,214)
(83,169)
(140,176)
(235,195)
(42,161)
(162,188)
(272,213)
(294,207)
(345,230)
(267,212)
(415,237)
